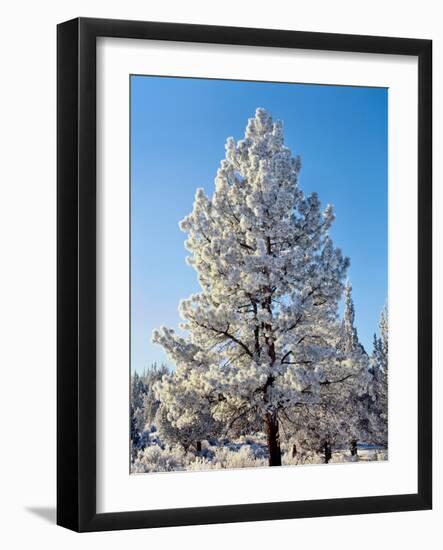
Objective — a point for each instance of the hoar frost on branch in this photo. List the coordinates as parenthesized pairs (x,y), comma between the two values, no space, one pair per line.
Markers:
(263,332)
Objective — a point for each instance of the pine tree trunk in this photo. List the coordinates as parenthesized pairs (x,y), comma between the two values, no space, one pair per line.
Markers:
(354,447)
(273,437)
(199,446)
(328,452)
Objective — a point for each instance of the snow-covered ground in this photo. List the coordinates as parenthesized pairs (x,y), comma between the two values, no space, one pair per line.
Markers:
(243,452)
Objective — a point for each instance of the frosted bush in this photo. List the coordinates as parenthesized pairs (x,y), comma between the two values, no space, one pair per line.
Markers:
(225,457)
(381,455)
(243,458)
(300,458)
(156,459)
(341,456)
(201,463)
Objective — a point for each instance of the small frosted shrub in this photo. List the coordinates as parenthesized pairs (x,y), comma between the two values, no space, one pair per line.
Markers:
(228,458)
(156,459)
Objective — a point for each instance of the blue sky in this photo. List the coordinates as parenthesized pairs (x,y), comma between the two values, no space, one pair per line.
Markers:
(178,130)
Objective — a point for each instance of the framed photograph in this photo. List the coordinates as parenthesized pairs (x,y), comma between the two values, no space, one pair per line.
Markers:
(244,274)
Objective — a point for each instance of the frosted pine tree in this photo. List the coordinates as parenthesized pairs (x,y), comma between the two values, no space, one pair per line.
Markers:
(381,342)
(349,339)
(354,411)
(379,383)
(189,436)
(335,418)
(262,332)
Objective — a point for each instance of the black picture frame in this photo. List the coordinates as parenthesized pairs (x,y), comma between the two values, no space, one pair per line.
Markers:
(76,274)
